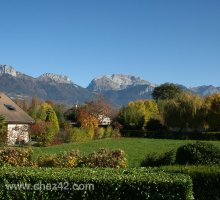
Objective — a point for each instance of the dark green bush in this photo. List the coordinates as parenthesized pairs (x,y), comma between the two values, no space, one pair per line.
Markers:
(154,160)
(155,124)
(206,180)
(16,156)
(198,153)
(108,184)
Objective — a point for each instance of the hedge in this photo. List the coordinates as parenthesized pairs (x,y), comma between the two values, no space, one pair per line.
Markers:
(108,184)
(206,180)
(166,134)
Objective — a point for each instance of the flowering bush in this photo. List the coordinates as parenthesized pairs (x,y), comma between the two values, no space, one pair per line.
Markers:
(16,157)
(106,158)
(102,158)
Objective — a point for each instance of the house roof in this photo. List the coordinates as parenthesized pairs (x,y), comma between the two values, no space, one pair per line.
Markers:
(12,112)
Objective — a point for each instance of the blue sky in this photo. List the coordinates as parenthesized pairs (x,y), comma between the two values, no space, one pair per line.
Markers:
(159,40)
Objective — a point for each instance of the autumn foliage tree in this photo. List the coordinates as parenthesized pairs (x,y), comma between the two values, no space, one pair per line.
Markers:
(136,114)
(86,118)
(46,126)
(88,114)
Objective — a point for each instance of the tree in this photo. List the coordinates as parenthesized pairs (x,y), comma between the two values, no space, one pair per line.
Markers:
(87,119)
(18,102)
(213,111)
(48,114)
(88,114)
(131,118)
(60,110)
(71,114)
(136,114)
(35,102)
(39,130)
(35,106)
(25,104)
(166,91)
(48,123)
(3,131)
(185,111)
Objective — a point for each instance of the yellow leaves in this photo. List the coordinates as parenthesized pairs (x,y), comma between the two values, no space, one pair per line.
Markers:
(139,112)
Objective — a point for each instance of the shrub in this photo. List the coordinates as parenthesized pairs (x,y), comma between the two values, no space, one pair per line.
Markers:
(57,140)
(206,180)
(70,159)
(48,161)
(16,157)
(43,132)
(66,131)
(81,134)
(102,158)
(155,124)
(101,184)
(90,133)
(78,135)
(108,132)
(153,159)
(116,133)
(198,153)
(106,158)
(99,133)
(67,159)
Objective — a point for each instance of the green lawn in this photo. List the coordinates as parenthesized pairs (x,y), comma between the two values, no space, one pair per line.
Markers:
(135,148)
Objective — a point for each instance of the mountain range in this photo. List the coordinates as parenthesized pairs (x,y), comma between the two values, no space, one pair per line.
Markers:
(119,89)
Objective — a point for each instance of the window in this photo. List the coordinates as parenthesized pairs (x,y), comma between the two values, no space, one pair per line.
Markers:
(10,107)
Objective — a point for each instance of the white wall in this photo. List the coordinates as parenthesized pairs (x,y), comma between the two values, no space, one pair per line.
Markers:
(17,132)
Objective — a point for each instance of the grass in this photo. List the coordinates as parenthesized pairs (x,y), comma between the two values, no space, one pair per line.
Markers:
(135,148)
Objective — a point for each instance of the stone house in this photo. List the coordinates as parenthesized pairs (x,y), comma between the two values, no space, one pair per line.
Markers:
(16,119)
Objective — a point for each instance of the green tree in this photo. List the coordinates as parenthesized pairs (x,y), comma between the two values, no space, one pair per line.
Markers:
(213,111)
(166,91)
(25,104)
(34,108)
(185,111)
(47,114)
(60,110)
(35,102)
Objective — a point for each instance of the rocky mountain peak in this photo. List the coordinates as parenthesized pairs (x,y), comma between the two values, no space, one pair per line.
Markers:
(116,82)
(55,77)
(7,69)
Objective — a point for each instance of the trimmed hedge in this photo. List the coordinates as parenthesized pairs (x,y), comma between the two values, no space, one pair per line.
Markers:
(155,160)
(198,153)
(102,158)
(206,180)
(16,157)
(183,135)
(166,134)
(108,184)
